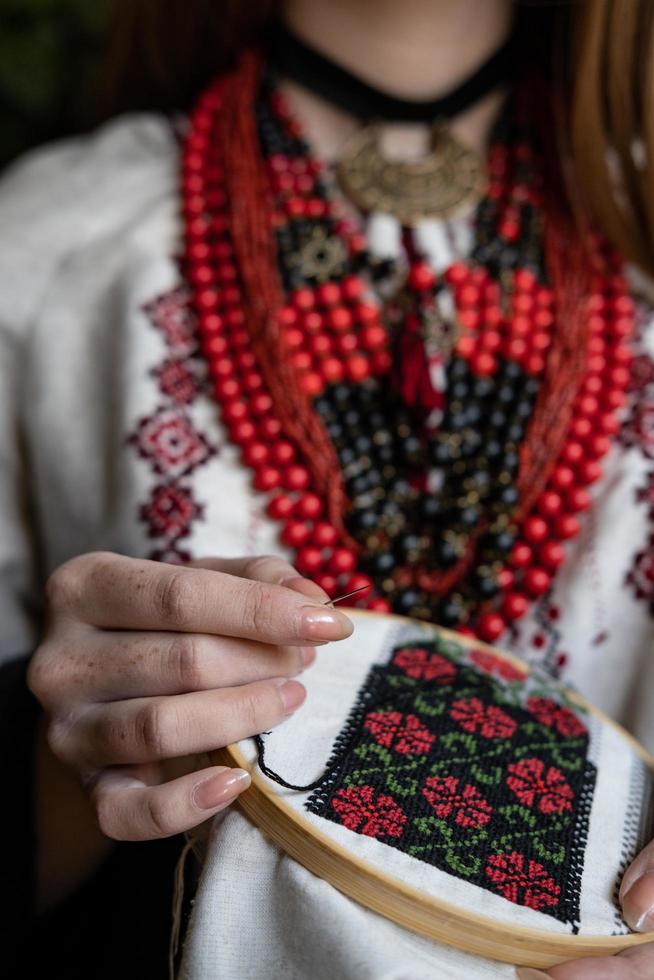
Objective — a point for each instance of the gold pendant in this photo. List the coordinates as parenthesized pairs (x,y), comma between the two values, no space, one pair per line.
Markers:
(435,186)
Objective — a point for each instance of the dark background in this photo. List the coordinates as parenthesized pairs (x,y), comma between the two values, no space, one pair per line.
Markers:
(49,53)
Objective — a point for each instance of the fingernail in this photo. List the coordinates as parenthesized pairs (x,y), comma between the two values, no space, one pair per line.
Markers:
(308,655)
(324,624)
(528,973)
(637,906)
(292,695)
(220,789)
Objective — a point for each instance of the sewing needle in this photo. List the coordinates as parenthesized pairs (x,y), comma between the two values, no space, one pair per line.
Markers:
(331,602)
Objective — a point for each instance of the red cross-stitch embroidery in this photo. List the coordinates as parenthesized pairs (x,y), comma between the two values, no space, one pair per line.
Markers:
(550,713)
(471,809)
(537,785)
(638,432)
(424,665)
(641,576)
(462,775)
(521,881)
(177,381)
(639,429)
(372,814)
(403,733)
(173,315)
(167,439)
(496,665)
(488,720)
(170,511)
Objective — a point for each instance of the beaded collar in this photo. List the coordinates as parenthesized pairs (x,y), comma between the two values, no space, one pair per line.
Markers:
(438,445)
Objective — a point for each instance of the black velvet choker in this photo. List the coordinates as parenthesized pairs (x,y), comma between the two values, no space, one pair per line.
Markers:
(293,57)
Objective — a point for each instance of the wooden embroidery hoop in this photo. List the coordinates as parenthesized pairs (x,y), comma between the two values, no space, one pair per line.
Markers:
(403,904)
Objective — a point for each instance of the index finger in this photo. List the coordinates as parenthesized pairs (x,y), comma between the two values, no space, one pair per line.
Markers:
(264,568)
(136,594)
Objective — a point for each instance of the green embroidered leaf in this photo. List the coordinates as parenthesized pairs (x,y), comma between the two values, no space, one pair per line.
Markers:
(516,810)
(487,777)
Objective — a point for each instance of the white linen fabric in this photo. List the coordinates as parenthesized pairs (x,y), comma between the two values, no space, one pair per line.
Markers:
(619,818)
(109,440)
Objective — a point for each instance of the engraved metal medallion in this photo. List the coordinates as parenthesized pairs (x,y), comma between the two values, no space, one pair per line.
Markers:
(435,186)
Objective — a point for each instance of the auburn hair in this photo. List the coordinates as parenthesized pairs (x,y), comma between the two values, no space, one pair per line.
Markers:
(597,57)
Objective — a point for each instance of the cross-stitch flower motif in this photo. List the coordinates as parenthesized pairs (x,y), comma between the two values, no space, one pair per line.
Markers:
(170,511)
(534,785)
(424,664)
(488,720)
(470,807)
(403,733)
(361,809)
(493,664)
(177,381)
(641,372)
(172,313)
(521,881)
(639,429)
(641,575)
(554,715)
(170,442)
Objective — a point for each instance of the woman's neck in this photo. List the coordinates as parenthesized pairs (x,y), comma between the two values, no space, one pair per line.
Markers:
(413,49)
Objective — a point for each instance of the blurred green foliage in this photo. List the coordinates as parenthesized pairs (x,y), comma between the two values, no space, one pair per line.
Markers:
(48,55)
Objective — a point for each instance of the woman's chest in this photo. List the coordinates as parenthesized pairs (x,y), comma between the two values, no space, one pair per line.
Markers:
(130,454)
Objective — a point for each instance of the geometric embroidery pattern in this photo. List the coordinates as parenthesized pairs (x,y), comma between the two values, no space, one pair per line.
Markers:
(168,439)
(638,432)
(462,761)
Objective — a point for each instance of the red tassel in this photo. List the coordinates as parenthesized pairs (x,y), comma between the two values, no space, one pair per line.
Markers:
(412,377)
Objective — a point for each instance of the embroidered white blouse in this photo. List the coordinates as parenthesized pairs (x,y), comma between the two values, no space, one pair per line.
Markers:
(109,440)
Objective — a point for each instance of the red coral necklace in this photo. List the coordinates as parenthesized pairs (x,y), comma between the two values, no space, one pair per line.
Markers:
(443,459)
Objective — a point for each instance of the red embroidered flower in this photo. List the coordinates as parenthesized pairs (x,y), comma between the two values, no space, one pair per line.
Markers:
(361,809)
(170,511)
(403,733)
(170,442)
(554,715)
(489,720)
(492,663)
(521,881)
(177,381)
(425,665)
(639,429)
(469,806)
(173,315)
(641,576)
(548,790)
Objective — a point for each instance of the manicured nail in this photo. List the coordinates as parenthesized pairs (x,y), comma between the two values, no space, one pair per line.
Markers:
(637,906)
(292,695)
(308,655)
(528,973)
(221,789)
(324,624)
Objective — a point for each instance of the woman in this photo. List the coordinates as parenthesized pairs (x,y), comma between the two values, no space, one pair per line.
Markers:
(442,453)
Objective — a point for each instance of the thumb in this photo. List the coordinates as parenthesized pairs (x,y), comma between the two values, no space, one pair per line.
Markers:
(637,891)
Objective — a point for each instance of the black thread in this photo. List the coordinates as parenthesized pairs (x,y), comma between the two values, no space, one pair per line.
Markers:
(344,741)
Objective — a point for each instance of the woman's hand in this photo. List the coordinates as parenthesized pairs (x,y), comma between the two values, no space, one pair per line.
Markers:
(146,665)
(637,963)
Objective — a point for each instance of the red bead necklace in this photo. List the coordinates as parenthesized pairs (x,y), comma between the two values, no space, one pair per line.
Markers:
(277,349)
